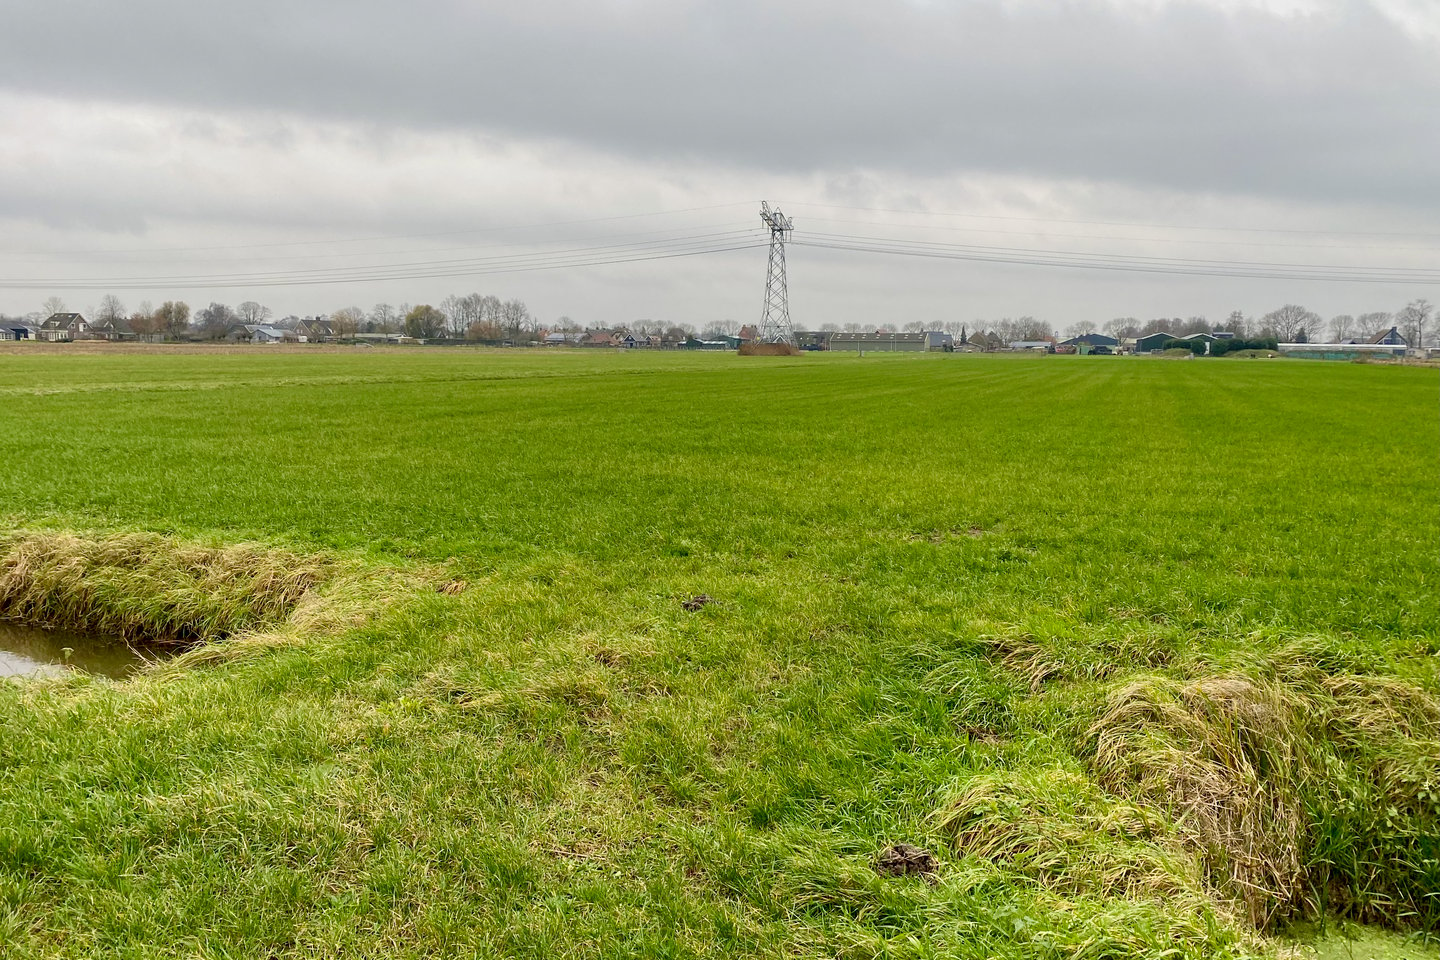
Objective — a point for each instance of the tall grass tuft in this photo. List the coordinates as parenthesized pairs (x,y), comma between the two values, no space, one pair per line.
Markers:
(1057,827)
(1305,791)
(146,588)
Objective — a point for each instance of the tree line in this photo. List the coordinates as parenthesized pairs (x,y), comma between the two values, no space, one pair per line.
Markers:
(1291,323)
(486,317)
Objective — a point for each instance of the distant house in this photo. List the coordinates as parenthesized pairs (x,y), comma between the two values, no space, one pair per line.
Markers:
(812,339)
(891,342)
(64,326)
(1153,342)
(748,334)
(312,329)
(1391,338)
(259,333)
(983,340)
(555,340)
(939,342)
(597,338)
(113,329)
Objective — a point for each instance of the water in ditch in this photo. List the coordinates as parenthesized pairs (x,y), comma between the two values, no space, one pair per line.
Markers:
(27,651)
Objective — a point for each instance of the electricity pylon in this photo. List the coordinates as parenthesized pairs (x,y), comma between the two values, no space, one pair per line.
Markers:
(775,323)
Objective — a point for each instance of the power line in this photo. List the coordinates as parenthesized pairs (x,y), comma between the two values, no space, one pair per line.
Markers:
(311,257)
(1207,241)
(1083,260)
(1116,223)
(412,236)
(696,245)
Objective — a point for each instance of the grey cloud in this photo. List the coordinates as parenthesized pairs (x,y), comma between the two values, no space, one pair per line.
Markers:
(1186,97)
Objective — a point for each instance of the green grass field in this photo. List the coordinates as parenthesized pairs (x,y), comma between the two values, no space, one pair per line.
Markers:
(1145,652)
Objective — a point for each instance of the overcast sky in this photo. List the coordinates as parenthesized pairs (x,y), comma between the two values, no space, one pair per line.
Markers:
(205,151)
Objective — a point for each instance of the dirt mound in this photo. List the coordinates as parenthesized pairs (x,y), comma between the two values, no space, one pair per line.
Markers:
(769,350)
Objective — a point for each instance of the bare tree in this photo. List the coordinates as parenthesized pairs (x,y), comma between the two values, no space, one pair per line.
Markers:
(383,316)
(111,310)
(514,316)
(472,308)
(1121,327)
(215,321)
(1342,328)
(1028,328)
(1237,323)
(1293,323)
(346,321)
(173,318)
(491,310)
(146,322)
(1368,325)
(252,312)
(454,311)
(1412,320)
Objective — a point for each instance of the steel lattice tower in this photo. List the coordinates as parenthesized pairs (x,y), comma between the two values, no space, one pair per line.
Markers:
(775,323)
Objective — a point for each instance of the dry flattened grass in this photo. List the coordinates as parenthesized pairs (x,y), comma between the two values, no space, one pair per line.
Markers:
(1041,659)
(1223,756)
(147,588)
(1248,766)
(1056,827)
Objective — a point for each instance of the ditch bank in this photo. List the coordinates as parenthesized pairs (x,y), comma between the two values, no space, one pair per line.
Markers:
(1292,786)
(147,589)
(185,602)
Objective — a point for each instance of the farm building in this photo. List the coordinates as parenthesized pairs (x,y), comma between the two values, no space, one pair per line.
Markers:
(313,329)
(18,330)
(113,328)
(893,342)
(1153,342)
(1035,346)
(1091,340)
(1089,343)
(63,326)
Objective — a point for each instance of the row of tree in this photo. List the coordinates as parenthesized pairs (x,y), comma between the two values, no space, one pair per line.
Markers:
(487,317)
(1291,323)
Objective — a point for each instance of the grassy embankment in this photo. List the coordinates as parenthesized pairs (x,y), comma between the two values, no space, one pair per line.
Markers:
(1144,652)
